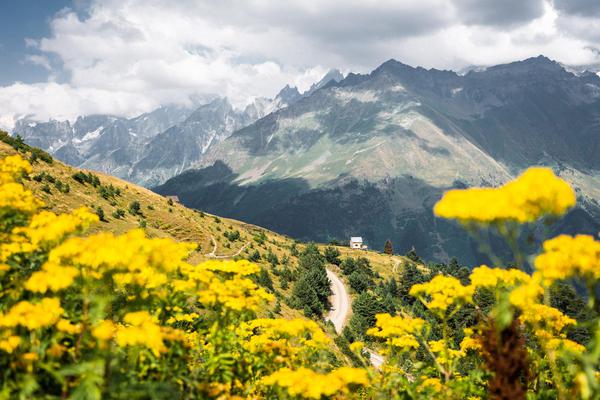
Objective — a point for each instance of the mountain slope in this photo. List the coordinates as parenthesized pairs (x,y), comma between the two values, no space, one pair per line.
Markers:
(371,154)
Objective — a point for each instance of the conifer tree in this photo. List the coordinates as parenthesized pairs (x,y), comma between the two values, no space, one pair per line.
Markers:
(388,249)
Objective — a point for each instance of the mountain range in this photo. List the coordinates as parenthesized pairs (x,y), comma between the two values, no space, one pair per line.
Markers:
(155,146)
(362,155)
(371,154)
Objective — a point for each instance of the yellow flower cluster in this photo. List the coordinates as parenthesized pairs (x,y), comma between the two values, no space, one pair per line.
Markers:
(67,327)
(10,343)
(537,192)
(104,330)
(444,354)
(12,168)
(430,385)
(240,267)
(566,256)
(280,336)
(223,283)
(356,347)
(442,292)
(527,293)
(44,229)
(51,277)
(546,322)
(33,316)
(491,278)
(399,332)
(130,258)
(12,194)
(141,329)
(307,383)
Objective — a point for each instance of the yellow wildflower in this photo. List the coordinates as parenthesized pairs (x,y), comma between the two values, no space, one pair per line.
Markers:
(567,256)
(104,330)
(10,343)
(546,319)
(398,331)
(280,336)
(15,196)
(469,342)
(56,350)
(307,383)
(141,329)
(430,384)
(528,293)
(357,347)
(66,326)
(30,357)
(33,315)
(236,294)
(182,317)
(51,277)
(12,168)
(12,193)
(537,192)
(239,267)
(442,292)
(565,344)
(486,277)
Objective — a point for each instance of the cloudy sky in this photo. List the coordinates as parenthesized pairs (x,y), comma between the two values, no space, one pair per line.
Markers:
(63,58)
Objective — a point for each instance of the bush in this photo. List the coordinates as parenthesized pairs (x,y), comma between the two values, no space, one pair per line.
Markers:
(84,178)
(232,236)
(359,281)
(332,255)
(109,192)
(135,208)
(255,256)
(39,177)
(118,213)
(100,213)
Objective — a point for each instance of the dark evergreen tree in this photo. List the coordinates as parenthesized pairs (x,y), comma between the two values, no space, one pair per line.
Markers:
(410,276)
(412,255)
(304,296)
(332,255)
(359,281)
(254,257)
(100,213)
(364,309)
(264,279)
(388,248)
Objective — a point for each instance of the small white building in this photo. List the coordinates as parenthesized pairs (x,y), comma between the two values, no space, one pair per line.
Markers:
(356,242)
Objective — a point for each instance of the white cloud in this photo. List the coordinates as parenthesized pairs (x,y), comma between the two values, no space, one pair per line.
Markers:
(37,59)
(128,56)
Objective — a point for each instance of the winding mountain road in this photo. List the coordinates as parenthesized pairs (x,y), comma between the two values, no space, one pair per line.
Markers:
(340,311)
(340,302)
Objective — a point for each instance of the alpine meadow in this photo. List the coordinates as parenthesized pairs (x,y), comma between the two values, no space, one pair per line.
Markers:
(244,200)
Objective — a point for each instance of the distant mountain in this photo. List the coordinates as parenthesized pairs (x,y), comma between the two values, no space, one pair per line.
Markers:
(152,147)
(101,142)
(370,155)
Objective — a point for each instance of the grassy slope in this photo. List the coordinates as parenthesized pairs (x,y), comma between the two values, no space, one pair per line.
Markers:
(179,223)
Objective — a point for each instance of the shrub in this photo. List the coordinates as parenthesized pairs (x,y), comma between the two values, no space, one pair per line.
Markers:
(100,213)
(332,255)
(118,213)
(135,208)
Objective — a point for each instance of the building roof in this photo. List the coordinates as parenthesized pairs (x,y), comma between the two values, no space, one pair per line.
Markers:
(356,239)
